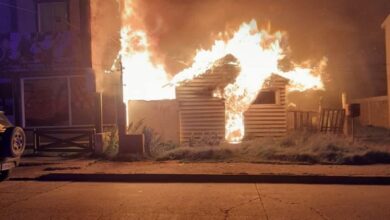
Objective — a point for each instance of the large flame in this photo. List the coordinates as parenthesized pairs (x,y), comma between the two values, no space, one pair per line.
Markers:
(143,80)
(258,53)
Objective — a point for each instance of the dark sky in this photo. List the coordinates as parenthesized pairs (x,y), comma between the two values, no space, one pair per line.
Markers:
(347,32)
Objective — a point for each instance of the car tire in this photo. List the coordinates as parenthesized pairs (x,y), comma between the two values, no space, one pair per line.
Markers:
(4,175)
(14,141)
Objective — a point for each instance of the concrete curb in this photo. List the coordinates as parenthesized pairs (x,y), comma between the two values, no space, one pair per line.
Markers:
(210,178)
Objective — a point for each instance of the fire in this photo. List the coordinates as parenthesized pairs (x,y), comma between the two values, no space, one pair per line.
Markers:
(143,80)
(304,78)
(258,53)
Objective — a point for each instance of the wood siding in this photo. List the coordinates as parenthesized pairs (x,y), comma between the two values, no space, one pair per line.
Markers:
(201,118)
(268,120)
(201,115)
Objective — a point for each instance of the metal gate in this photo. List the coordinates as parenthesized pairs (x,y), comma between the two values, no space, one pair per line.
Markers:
(332,121)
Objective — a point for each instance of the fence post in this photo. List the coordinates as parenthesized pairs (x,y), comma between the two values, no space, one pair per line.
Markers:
(344,101)
(35,141)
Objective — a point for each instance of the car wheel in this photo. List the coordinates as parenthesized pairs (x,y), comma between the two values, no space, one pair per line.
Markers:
(4,175)
(14,141)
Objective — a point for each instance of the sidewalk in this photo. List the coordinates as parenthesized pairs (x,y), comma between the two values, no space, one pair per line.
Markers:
(35,167)
(174,167)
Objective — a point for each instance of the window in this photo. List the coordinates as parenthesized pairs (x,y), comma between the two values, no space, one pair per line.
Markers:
(46,102)
(266,97)
(62,101)
(52,16)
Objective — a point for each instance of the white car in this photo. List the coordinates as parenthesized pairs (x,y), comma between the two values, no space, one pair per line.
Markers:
(12,145)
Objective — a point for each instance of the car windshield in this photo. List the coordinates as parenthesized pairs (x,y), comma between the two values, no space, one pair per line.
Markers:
(4,120)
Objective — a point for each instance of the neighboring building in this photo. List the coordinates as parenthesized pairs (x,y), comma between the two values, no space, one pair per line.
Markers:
(386,26)
(375,111)
(46,77)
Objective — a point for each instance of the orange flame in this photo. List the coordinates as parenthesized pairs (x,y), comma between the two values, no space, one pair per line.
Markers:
(143,80)
(258,53)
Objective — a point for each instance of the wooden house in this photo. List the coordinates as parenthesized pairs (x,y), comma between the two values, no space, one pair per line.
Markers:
(267,116)
(202,116)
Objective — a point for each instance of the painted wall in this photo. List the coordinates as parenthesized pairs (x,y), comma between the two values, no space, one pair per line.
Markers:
(162,116)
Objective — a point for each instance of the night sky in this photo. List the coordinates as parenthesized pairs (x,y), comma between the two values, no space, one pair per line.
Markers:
(347,32)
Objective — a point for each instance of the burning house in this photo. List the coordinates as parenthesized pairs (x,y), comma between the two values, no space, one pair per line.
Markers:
(203,110)
(199,113)
(231,91)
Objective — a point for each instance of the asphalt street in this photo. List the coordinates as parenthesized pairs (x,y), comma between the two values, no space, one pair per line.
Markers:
(84,189)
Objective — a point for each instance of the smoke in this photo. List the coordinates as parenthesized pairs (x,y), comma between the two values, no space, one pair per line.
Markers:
(105,27)
(347,32)
(350,37)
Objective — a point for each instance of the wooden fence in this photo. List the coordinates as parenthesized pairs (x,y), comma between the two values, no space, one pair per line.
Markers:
(302,120)
(328,121)
(332,121)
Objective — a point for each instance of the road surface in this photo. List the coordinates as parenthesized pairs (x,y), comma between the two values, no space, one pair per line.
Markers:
(106,200)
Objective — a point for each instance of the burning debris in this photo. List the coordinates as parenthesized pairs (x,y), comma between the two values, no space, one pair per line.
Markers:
(256,52)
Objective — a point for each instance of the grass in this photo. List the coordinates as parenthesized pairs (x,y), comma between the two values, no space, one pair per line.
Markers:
(300,147)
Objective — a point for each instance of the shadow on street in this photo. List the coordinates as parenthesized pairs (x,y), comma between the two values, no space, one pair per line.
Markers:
(210,178)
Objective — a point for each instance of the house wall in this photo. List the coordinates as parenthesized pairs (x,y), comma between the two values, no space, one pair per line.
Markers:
(5,21)
(202,117)
(26,55)
(25,11)
(374,111)
(162,116)
(27,18)
(386,26)
(105,29)
(268,120)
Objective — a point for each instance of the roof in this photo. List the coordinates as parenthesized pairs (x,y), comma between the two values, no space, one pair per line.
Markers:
(223,72)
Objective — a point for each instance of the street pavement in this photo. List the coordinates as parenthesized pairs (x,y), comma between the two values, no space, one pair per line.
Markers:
(29,196)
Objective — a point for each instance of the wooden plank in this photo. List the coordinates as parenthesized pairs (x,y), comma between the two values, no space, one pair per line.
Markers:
(259,123)
(197,103)
(266,106)
(272,110)
(265,130)
(262,114)
(252,127)
(195,108)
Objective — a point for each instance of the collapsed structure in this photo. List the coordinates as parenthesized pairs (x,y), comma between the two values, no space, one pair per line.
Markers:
(198,115)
